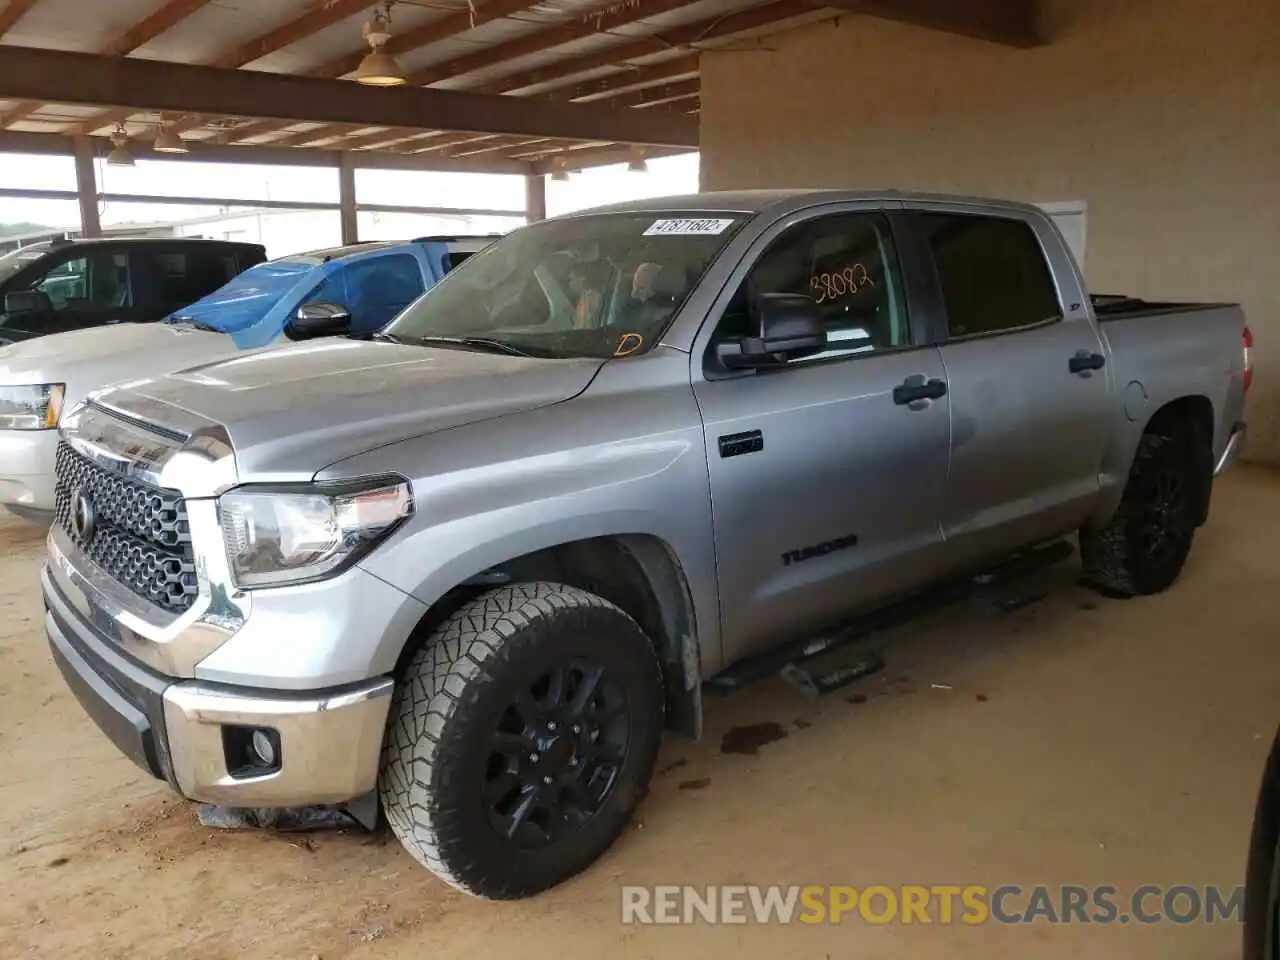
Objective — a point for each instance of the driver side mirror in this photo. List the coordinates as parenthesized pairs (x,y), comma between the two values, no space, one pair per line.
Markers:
(27,301)
(319,319)
(791,327)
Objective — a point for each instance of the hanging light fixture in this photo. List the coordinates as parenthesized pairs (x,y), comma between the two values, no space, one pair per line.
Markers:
(638,165)
(379,68)
(168,141)
(559,172)
(120,155)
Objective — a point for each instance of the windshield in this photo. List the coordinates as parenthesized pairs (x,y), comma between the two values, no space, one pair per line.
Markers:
(15,260)
(247,298)
(603,285)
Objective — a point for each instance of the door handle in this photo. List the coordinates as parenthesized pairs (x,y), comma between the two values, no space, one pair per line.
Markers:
(1084,361)
(917,388)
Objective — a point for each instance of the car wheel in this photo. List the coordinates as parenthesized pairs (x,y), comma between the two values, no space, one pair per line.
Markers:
(1142,548)
(1262,876)
(522,739)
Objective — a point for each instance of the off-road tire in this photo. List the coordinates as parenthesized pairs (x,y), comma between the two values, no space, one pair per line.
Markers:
(1262,873)
(1117,561)
(449,703)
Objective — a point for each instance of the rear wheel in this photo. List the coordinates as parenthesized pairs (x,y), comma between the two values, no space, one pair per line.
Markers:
(522,739)
(1143,547)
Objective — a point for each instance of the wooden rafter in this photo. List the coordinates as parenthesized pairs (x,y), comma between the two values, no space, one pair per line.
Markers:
(164,18)
(546,39)
(650,96)
(441,28)
(684,37)
(1014,23)
(324,13)
(536,42)
(626,78)
(12,12)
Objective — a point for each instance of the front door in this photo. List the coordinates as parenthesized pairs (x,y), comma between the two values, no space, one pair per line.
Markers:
(86,287)
(1028,425)
(826,480)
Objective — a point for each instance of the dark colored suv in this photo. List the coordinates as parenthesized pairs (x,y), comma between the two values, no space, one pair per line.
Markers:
(71,284)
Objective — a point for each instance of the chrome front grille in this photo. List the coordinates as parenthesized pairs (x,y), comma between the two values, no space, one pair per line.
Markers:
(138,533)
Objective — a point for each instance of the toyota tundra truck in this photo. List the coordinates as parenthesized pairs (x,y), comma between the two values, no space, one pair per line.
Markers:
(478,566)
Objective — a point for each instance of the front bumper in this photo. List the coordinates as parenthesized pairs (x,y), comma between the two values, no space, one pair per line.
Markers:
(184,731)
(26,472)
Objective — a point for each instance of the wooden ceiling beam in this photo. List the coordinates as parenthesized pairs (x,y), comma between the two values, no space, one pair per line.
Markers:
(56,144)
(12,12)
(150,85)
(442,28)
(536,42)
(678,38)
(19,111)
(1014,23)
(650,96)
(546,39)
(581,159)
(323,13)
(627,78)
(166,17)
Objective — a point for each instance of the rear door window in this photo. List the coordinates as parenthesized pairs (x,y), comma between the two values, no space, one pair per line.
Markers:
(181,277)
(992,272)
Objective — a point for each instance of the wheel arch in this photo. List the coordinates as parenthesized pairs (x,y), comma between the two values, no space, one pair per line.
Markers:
(639,573)
(1192,413)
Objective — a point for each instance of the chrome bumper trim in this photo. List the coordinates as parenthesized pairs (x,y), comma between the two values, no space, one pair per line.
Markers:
(330,743)
(1232,452)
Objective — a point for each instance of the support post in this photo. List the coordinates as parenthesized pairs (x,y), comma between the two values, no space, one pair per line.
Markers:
(535,197)
(87,189)
(347,199)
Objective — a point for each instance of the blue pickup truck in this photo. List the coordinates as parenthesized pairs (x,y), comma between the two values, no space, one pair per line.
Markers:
(369,282)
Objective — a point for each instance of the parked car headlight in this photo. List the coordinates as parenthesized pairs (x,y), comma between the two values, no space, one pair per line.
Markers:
(34,406)
(278,535)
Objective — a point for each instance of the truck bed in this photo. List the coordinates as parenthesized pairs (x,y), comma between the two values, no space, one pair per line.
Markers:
(1109,307)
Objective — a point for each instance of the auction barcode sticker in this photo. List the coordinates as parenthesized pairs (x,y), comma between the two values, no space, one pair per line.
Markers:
(706,227)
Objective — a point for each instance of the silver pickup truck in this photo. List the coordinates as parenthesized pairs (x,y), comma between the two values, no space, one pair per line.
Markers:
(481,564)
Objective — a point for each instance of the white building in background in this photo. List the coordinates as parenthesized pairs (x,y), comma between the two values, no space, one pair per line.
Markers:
(284,232)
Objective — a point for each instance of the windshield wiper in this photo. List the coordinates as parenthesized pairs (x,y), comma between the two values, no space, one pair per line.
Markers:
(195,324)
(480,343)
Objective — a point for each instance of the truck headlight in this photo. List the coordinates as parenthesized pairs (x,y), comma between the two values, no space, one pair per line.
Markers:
(278,535)
(33,406)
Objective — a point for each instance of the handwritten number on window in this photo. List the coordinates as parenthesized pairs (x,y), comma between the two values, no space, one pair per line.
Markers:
(829,287)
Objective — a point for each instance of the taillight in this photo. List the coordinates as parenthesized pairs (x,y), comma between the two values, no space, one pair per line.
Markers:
(1246,343)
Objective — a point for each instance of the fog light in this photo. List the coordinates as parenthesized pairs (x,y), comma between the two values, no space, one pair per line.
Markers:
(264,751)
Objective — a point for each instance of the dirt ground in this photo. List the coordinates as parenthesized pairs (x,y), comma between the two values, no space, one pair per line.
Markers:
(1078,740)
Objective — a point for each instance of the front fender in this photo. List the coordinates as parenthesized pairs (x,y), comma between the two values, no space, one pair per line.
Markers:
(524,483)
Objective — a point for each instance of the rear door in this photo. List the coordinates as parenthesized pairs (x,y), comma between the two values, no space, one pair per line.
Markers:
(826,480)
(1029,391)
(172,277)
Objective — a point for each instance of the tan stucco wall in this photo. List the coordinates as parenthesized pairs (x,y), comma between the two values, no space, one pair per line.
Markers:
(1164,115)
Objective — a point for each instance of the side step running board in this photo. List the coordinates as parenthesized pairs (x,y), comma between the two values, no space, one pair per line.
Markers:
(811,664)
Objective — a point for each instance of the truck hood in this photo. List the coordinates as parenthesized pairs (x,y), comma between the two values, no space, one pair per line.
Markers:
(294,410)
(86,360)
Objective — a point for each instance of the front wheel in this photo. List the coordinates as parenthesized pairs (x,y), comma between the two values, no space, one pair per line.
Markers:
(522,738)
